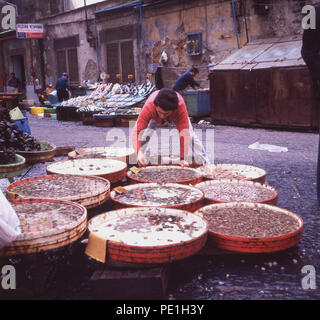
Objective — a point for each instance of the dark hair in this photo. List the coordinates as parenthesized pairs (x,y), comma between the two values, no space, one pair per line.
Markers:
(65,74)
(167,99)
(195,70)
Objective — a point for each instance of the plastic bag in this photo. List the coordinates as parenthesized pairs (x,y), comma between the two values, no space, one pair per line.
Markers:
(267,147)
(164,58)
(9,222)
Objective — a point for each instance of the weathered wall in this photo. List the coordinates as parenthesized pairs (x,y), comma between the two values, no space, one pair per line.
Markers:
(165,28)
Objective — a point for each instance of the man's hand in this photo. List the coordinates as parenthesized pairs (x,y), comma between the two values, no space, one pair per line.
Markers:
(184,163)
(69,93)
(142,160)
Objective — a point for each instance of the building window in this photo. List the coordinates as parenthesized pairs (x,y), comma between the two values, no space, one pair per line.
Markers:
(67,57)
(194,43)
(67,61)
(120,60)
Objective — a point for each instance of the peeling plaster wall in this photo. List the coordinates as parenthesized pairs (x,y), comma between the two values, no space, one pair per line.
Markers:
(68,25)
(165,29)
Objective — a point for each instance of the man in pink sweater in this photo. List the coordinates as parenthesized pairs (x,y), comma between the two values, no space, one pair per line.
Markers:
(163,106)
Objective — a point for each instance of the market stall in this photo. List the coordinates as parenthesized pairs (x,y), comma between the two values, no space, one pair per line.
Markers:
(106,104)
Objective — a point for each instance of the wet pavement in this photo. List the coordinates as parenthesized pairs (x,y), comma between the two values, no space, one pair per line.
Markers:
(275,276)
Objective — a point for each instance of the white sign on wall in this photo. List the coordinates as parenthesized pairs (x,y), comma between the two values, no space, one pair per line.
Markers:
(30,31)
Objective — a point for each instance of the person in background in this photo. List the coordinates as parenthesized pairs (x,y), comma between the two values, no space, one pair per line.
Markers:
(310,53)
(62,87)
(13,83)
(187,79)
(166,105)
(49,89)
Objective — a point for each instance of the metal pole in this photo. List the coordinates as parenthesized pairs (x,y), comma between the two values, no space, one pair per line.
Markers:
(97,44)
(235,23)
(143,43)
(138,49)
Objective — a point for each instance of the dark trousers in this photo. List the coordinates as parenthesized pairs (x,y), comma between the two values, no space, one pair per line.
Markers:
(62,94)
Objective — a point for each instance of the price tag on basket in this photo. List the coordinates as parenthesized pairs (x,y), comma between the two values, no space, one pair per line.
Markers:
(135,170)
(120,190)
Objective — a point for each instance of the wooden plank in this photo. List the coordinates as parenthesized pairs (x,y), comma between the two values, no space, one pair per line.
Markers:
(130,283)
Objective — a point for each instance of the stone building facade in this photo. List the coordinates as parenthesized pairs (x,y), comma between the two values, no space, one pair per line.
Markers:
(128,37)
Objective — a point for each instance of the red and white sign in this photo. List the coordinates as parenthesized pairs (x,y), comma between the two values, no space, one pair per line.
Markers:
(30,31)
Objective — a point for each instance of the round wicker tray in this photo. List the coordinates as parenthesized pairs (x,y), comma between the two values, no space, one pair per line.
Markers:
(165,174)
(115,153)
(85,190)
(13,169)
(169,195)
(112,170)
(257,244)
(46,229)
(233,171)
(169,160)
(47,154)
(150,235)
(237,191)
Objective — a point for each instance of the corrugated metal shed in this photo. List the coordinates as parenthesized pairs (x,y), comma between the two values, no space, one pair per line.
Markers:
(265,53)
(265,84)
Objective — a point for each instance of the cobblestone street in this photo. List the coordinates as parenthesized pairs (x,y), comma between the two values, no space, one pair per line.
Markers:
(209,277)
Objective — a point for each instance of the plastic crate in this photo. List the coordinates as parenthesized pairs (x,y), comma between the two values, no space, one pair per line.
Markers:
(23,124)
(197,103)
(68,114)
(76,91)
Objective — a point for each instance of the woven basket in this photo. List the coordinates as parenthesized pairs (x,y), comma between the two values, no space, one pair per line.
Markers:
(92,199)
(234,184)
(132,177)
(190,206)
(112,170)
(13,169)
(252,245)
(40,156)
(115,153)
(56,237)
(233,171)
(125,251)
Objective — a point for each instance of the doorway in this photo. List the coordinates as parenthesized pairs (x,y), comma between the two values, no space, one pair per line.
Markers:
(19,70)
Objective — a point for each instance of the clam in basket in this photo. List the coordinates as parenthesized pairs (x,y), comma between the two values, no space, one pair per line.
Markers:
(169,195)
(85,190)
(146,235)
(251,227)
(165,174)
(112,170)
(233,171)
(46,154)
(46,225)
(115,153)
(219,191)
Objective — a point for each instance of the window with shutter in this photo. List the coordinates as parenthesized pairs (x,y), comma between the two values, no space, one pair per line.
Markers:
(67,57)
(61,62)
(127,61)
(113,61)
(73,65)
(120,60)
